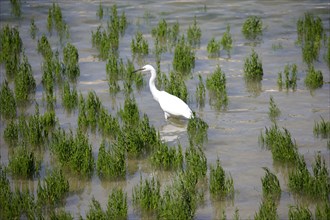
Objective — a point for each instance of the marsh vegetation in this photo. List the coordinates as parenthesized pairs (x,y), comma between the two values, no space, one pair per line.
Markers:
(82,138)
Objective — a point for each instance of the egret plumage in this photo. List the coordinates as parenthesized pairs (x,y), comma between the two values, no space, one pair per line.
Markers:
(171,105)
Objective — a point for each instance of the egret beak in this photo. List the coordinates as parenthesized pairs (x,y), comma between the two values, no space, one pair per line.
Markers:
(138,70)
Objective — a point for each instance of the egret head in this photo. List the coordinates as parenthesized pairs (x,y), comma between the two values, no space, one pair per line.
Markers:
(145,68)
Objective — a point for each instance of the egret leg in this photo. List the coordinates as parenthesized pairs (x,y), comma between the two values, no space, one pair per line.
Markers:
(166,115)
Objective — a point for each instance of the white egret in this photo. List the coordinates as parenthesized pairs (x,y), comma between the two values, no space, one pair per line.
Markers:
(171,105)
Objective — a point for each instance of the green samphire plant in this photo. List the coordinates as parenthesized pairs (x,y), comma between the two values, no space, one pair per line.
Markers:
(25,84)
(314,78)
(213,48)
(310,33)
(11,46)
(71,62)
(252,27)
(139,45)
(194,34)
(221,185)
(253,70)
(216,84)
(7,102)
(184,57)
(290,74)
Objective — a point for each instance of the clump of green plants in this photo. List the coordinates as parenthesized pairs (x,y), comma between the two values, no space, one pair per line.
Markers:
(161,31)
(176,86)
(179,200)
(299,212)
(281,145)
(111,161)
(71,60)
(116,207)
(73,151)
(197,131)
(200,92)
(196,162)
(107,124)
(99,12)
(314,78)
(322,128)
(113,72)
(10,133)
(322,211)
(17,203)
(227,41)
(166,157)
(274,111)
(290,74)
(33,29)
(184,57)
(316,186)
(310,34)
(16,7)
(8,102)
(139,45)
(216,84)
(267,210)
(95,210)
(33,130)
(23,163)
(48,80)
(89,110)
(117,204)
(253,70)
(271,188)
(221,185)
(213,48)
(55,20)
(44,47)
(25,84)
(53,189)
(10,50)
(252,27)
(147,195)
(106,40)
(194,34)
(69,97)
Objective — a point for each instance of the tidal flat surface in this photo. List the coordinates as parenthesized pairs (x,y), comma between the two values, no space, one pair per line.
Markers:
(233,133)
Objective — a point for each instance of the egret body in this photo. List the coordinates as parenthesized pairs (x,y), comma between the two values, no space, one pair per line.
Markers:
(171,105)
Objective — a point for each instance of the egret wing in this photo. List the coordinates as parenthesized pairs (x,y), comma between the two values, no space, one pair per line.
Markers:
(173,105)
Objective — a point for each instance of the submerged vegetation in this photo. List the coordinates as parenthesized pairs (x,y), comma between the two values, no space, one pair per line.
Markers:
(253,70)
(8,102)
(11,47)
(316,186)
(221,185)
(106,40)
(310,33)
(314,78)
(271,188)
(252,27)
(274,111)
(283,148)
(216,84)
(290,74)
(322,128)
(184,57)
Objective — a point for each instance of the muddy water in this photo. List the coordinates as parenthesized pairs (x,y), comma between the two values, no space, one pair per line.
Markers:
(233,134)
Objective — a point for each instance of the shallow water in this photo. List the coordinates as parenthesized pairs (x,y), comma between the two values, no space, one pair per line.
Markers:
(233,134)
